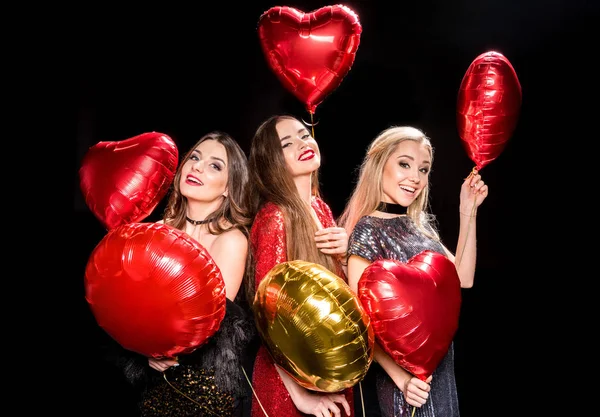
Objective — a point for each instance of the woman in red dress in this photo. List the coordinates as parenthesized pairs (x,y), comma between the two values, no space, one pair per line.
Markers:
(292,222)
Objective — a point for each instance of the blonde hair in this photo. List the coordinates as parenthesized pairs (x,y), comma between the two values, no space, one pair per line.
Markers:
(368,191)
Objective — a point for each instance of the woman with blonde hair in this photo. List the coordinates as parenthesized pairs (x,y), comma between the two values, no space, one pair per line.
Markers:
(387,218)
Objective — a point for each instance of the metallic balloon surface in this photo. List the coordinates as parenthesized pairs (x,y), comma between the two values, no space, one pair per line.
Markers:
(310,53)
(314,326)
(489,102)
(154,289)
(414,308)
(123,181)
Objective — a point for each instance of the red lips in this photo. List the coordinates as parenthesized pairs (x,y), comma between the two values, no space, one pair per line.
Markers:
(196,183)
(305,156)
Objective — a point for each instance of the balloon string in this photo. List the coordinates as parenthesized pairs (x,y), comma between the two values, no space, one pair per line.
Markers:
(254,392)
(191,399)
(362,401)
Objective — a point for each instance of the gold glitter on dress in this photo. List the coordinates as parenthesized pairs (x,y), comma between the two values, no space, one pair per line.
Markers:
(191,391)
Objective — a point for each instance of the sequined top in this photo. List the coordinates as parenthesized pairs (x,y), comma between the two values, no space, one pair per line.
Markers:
(268,240)
(399,238)
(396,238)
(208,382)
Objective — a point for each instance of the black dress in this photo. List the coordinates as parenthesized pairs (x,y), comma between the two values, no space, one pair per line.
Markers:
(398,238)
(208,382)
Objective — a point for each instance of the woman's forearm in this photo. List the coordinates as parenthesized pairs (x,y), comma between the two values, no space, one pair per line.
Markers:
(294,389)
(466,249)
(399,375)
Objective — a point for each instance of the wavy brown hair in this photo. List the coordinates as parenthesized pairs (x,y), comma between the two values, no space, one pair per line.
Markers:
(234,212)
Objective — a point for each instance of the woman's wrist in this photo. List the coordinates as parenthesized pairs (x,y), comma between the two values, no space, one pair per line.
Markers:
(406,382)
(468,213)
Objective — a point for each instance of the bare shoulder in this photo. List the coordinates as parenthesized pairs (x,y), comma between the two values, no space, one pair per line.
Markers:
(233,239)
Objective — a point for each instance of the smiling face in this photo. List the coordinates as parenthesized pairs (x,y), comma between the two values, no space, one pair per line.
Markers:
(204,174)
(300,150)
(406,172)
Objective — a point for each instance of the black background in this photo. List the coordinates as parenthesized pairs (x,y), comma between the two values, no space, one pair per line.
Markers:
(187,71)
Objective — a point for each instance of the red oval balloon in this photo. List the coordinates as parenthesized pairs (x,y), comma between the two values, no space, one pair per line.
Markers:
(414,308)
(489,102)
(123,181)
(154,289)
(310,53)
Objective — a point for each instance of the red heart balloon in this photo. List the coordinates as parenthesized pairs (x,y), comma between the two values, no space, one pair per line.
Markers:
(310,53)
(414,308)
(123,181)
(489,102)
(154,289)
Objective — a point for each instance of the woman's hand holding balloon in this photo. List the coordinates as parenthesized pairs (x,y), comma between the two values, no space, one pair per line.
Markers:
(162,365)
(416,391)
(472,193)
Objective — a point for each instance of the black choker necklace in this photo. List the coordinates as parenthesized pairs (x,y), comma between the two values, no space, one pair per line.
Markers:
(391,208)
(197,222)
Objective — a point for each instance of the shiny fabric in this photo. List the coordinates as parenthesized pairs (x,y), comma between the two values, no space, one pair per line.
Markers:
(191,391)
(398,238)
(268,241)
(209,381)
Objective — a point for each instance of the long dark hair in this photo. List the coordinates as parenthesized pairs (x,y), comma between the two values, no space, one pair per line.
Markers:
(272,182)
(234,210)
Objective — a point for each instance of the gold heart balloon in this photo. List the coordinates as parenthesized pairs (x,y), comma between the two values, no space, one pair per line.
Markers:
(314,326)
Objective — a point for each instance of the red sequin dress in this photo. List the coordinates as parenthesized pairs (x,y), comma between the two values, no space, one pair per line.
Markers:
(268,243)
